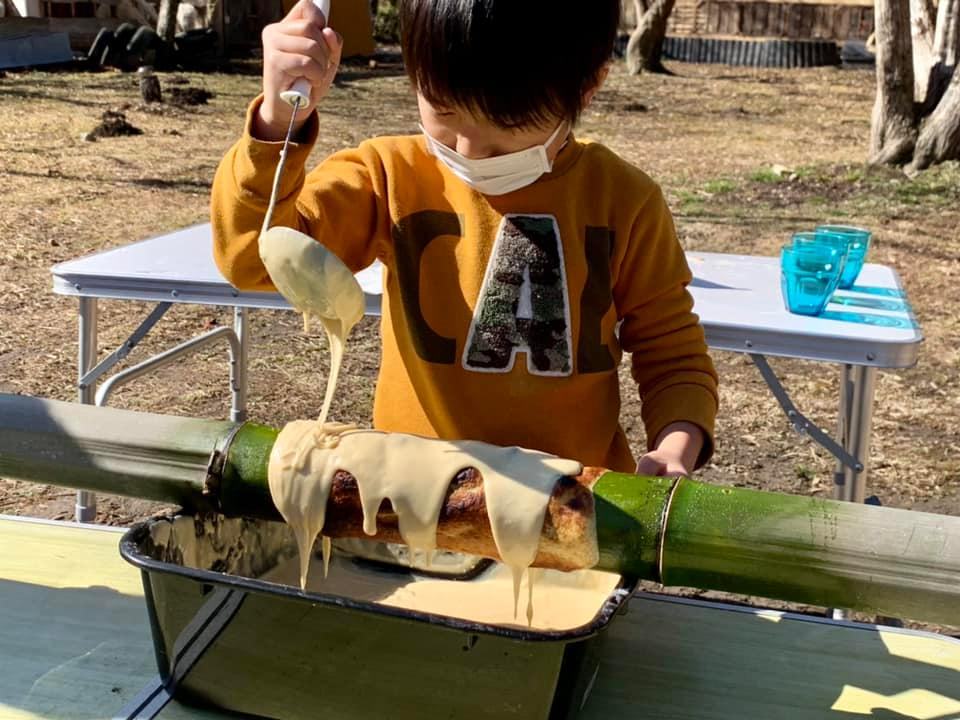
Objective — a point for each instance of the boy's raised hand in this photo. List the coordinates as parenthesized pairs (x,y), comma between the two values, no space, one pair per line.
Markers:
(299,46)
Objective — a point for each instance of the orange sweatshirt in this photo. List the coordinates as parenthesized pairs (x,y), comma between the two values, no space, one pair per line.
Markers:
(504,317)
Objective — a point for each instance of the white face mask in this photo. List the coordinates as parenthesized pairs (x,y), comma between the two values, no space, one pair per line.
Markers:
(496,175)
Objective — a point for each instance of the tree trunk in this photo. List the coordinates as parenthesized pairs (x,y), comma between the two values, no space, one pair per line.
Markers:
(646,42)
(893,129)
(922,30)
(940,136)
(167,20)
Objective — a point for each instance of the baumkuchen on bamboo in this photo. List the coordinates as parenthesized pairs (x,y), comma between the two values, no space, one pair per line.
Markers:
(568,539)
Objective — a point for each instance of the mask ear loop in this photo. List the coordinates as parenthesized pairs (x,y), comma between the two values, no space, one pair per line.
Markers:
(544,149)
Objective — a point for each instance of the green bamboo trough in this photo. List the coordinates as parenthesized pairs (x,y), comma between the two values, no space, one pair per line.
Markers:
(680,533)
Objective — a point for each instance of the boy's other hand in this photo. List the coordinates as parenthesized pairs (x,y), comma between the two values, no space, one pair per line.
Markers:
(661,464)
(299,46)
(675,453)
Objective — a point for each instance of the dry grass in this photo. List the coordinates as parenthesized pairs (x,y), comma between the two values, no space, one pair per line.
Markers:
(745,156)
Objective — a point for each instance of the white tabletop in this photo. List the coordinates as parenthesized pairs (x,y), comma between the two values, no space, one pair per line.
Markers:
(177,267)
(741,307)
(737,297)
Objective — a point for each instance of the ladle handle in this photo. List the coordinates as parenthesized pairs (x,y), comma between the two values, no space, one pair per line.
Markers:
(298,95)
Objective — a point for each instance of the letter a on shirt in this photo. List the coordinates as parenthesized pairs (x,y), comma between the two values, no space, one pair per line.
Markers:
(523,304)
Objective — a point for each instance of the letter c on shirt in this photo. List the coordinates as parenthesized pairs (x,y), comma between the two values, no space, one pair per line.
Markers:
(411,235)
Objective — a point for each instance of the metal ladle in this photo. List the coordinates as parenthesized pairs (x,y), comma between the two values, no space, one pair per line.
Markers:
(302,269)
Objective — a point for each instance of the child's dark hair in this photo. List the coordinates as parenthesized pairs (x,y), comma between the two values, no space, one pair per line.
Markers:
(517,63)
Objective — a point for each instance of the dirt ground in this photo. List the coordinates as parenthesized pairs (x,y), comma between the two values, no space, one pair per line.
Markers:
(745,157)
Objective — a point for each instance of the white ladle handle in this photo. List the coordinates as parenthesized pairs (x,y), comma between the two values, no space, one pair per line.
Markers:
(298,95)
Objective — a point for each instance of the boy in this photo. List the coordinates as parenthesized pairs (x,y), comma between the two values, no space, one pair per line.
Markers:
(520,261)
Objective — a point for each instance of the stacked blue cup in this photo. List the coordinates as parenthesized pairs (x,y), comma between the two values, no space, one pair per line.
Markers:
(857,243)
(810,272)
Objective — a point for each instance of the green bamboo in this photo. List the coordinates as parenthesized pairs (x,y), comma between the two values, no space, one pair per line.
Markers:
(811,550)
(800,549)
(630,514)
(244,490)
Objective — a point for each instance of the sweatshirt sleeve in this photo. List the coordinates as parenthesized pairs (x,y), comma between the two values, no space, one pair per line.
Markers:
(675,376)
(340,203)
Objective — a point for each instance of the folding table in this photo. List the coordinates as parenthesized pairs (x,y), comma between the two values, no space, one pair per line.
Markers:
(737,297)
(75,644)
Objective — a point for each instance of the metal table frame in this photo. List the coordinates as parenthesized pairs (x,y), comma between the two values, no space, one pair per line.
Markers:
(737,298)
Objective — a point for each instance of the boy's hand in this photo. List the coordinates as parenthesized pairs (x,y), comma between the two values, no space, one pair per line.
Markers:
(299,46)
(675,453)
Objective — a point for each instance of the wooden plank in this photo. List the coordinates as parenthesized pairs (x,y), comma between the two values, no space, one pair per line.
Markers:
(683,18)
(806,20)
(775,21)
(75,644)
(842,23)
(833,20)
(713,17)
(761,18)
(723,664)
(723,18)
(794,21)
(699,17)
(820,26)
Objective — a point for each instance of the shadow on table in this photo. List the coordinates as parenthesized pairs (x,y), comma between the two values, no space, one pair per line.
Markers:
(71,653)
(710,285)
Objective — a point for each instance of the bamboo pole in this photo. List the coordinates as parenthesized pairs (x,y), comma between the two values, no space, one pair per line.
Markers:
(800,549)
(877,560)
(119,452)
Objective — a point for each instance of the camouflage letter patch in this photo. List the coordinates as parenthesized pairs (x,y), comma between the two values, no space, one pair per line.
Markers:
(523,304)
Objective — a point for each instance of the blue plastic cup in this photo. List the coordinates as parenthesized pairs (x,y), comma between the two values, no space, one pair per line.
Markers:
(807,240)
(858,243)
(808,277)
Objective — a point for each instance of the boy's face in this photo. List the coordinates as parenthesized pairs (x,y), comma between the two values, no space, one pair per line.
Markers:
(477,138)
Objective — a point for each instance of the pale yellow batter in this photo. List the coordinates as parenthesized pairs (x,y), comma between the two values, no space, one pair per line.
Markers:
(413,473)
(316,283)
(564,600)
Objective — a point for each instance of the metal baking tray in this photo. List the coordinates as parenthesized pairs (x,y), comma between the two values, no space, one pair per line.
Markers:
(225,639)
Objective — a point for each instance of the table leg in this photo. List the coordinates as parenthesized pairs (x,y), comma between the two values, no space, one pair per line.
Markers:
(844,412)
(85,509)
(857,386)
(238,372)
(857,389)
